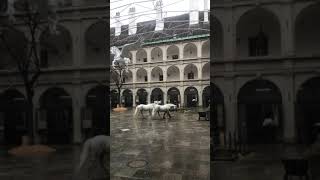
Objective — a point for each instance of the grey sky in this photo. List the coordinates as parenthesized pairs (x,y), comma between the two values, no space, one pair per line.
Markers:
(145,9)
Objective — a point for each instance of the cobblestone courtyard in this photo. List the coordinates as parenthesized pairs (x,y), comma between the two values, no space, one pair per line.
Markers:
(176,148)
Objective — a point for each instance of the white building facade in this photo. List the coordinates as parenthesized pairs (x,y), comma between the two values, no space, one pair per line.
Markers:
(173,69)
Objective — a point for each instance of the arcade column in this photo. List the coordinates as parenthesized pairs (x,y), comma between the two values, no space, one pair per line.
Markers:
(199,50)
(181,89)
(134,98)
(288,100)
(200,103)
(164,52)
(165,97)
(77,103)
(180,46)
(149,95)
(230,107)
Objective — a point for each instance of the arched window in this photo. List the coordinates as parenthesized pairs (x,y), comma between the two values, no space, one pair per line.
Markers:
(258,45)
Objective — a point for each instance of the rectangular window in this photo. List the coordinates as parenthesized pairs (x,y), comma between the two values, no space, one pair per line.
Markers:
(175,57)
(144,59)
(190,76)
(161,78)
(258,46)
(146,78)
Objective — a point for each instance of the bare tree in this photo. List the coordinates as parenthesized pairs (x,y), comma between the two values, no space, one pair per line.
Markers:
(23,47)
(118,76)
(118,70)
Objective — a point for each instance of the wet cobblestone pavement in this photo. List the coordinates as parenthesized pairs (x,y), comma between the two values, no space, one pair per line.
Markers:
(58,165)
(264,162)
(176,148)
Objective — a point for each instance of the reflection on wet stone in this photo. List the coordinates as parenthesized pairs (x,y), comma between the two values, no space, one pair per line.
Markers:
(174,148)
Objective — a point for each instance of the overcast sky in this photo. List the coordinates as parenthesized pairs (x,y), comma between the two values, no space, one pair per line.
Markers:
(145,9)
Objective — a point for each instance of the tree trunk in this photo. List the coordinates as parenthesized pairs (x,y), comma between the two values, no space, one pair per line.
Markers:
(119,97)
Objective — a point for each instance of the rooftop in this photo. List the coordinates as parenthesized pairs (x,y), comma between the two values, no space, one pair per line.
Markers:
(176,28)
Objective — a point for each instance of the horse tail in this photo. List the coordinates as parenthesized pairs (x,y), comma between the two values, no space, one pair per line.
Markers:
(136,111)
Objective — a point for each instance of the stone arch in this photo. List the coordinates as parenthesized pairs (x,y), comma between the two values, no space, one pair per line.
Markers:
(258,33)
(57,106)
(142,96)
(173,52)
(217,46)
(307,28)
(141,56)
(206,71)
(128,77)
(206,94)
(56,49)
(127,95)
(217,114)
(191,97)
(205,48)
(174,96)
(114,98)
(258,100)
(190,72)
(156,74)
(173,73)
(156,54)
(13,116)
(190,51)
(11,37)
(307,110)
(97,100)
(142,75)
(157,95)
(95,43)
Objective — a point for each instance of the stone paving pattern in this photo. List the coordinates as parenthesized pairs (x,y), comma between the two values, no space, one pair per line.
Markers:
(170,149)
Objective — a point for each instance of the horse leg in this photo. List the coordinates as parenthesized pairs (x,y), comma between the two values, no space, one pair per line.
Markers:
(164,115)
(169,114)
(159,113)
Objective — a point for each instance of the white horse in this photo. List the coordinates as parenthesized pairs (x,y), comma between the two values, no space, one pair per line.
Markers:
(164,108)
(143,107)
(94,157)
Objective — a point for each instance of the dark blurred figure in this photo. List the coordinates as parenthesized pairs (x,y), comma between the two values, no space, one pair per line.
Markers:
(94,160)
(268,128)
